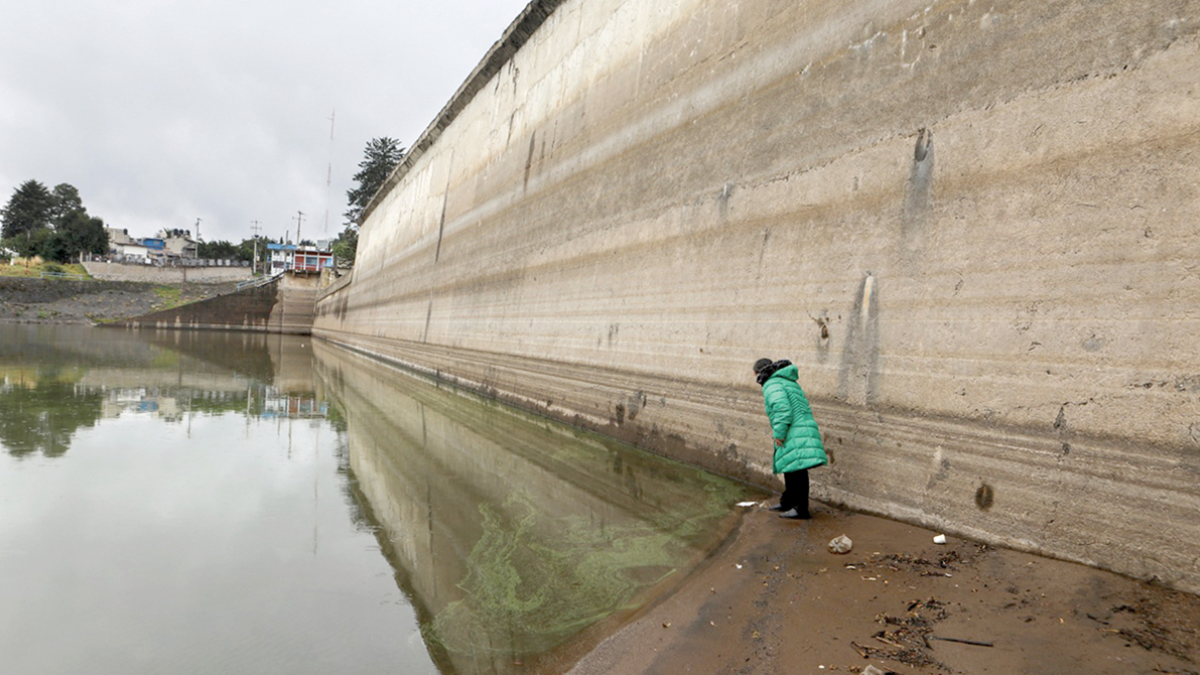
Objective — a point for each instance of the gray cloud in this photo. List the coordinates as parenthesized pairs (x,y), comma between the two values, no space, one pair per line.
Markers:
(162,112)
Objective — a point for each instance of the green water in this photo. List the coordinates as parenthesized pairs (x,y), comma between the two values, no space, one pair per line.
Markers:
(224,502)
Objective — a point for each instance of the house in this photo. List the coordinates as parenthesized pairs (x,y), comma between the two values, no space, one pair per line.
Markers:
(311,259)
(179,243)
(301,259)
(280,257)
(118,237)
(156,249)
(123,246)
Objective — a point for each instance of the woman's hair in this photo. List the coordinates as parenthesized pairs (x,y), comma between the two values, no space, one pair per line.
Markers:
(762,363)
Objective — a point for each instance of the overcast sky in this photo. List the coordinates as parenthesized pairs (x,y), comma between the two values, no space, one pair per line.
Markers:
(164,111)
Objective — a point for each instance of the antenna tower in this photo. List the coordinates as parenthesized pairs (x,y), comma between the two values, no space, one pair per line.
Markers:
(329,171)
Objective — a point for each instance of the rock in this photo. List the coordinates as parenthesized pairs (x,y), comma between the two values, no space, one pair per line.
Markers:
(840,544)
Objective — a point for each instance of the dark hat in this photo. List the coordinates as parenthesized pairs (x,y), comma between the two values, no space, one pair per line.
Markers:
(762,363)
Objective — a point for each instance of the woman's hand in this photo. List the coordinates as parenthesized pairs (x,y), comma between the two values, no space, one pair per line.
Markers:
(778,443)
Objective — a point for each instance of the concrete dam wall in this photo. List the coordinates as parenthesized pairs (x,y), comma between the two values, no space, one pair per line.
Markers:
(285,305)
(974,227)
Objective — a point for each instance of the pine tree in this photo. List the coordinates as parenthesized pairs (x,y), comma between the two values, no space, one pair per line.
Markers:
(30,208)
(380,157)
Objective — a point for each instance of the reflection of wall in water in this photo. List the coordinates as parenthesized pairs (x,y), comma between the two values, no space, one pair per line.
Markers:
(432,461)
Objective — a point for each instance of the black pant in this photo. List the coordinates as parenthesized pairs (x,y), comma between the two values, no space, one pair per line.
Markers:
(795,491)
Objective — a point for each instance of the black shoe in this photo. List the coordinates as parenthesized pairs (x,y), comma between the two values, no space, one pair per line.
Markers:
(777,508)
(793,514)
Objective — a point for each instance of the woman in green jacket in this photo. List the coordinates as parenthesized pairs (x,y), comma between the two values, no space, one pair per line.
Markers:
(798,445)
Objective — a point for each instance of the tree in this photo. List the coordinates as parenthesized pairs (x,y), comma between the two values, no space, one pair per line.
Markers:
(42,242)
(346,245)
(245,250)
(51,224)
(217,250)
(30,208)
(66,203)
(81,233)
(379,158)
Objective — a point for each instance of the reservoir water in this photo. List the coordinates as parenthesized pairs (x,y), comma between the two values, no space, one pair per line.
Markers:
(201,502)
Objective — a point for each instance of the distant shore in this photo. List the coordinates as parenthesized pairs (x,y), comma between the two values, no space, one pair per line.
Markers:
(60,301)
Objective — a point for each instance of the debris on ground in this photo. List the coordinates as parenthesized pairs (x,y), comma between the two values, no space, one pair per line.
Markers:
(1139,623)
(840,545)
(907,638)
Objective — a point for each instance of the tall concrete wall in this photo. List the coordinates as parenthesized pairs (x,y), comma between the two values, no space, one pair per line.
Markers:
(972,226)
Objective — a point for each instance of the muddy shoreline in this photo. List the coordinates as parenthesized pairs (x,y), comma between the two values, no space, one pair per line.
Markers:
(775,600)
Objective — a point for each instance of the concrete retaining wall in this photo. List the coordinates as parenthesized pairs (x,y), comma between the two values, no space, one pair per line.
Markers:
(972,226)
(283,306)
(166,275)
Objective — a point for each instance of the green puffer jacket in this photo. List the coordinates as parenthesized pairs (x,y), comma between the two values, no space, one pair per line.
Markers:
(791,421)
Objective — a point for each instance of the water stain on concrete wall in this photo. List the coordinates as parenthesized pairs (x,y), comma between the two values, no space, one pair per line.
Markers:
(985,496)
(858,373)
(918,200)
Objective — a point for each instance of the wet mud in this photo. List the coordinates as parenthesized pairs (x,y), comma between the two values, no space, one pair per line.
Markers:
(775,600)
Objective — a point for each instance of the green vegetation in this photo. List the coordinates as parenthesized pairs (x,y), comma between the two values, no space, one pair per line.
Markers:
(380,158)
(52,224)
(35,270)
(170,296)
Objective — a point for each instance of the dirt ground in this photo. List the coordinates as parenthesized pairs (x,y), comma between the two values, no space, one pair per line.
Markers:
(775,600)
(85,302)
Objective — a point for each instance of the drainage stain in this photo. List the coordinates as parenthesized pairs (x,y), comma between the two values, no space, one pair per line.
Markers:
(984,496)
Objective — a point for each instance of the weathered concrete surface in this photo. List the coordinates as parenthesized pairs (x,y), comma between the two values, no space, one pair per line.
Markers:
(283,306)
(973,227)
(297,299)
(166,275)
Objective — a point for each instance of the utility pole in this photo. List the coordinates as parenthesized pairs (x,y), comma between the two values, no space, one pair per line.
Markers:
(198,230)
(299,221)
(254,263)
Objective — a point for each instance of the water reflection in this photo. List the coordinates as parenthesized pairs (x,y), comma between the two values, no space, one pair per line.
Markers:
(179,503)
(513,532)
(55,380)
(196,470)
(41,414)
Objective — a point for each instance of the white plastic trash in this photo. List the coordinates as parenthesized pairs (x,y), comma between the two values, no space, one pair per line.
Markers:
(940,539)
(840,544)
